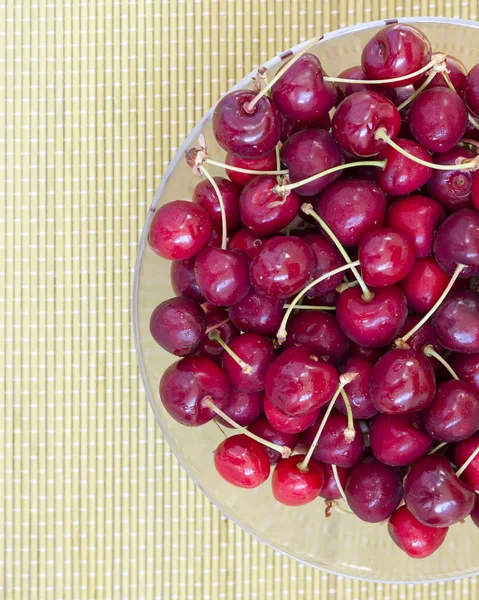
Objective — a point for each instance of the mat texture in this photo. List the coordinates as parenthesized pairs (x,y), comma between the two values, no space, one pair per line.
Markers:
(95,98)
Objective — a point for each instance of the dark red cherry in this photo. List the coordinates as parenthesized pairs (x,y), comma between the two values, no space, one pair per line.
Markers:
(418,217)
(457,322)
(258,353)
(242,461)
(257,313)
(294,487)
(333,448)
(395,51)
(434,494)
(246,133)
(222,275)
(286,423)
(372,355)
(183,282)
(246,241)
(289,127)
(456,71)
(327,258)
(330,489)
(374,490)
(463,451)
(457,242)
(358,74)
(210,348)
(386,255)
(424,284)
(471,90)
(402,381)
(216,239)
(466,367)
(319,331)
(475,189)
(298,382)
(352,207)
(452,188)
(358,389)
(205,196)
(413,537)
(179,230)
(282,266)
(309,152)
(453,415)
(243,407)
(424,336)
(475,513)
(263,428)
(178,325)
(398,440)
(358,118)
(375,322)
(326,299)
(401,176)
(186,383)
(438,119)
(262,210)
(301,93)
(264,163)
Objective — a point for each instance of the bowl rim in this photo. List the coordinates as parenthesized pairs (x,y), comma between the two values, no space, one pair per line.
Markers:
(179,156)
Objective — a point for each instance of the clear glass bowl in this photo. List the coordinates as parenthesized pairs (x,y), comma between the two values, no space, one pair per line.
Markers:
(341,544)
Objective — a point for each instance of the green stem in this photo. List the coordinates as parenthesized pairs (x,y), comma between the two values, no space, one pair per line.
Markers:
(430,77)
(429,351)
(216,337)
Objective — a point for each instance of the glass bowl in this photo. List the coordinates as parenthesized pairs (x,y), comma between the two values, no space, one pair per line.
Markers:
(341,544)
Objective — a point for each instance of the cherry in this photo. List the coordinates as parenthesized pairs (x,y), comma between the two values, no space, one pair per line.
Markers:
(424,336)
(178,325)
(402,381)
(301,93)
(264,163)
(456,72)
(457,322)
(282,266)
(263,428)
(374,490)
(286,423)
(292,485)
(357,119)
(424,285)
(398,440)
(217,319)
(244,408)
(471,90)
(327,258)
(222,275)
(452,188)
(453,415)
(418,217)
(289,127)
(350,208)
(372,355)
(463,451)
(186,383)
(356,72)
(183,282)
(262,211)
(297,382)
(413,537)
(401,175)
(242,461)
(475,190)
(330,490)
(216,239)
(457,242)
(179,230)
(358,389)
(434,495)
(438,119)
(373,322)
(326,299)
(205,195)
(246,241)
(257,313)
(319,331)
(475,513)
(396,50)
(309,152)
(386,255)
(466,367)
(244,132)
(333,448)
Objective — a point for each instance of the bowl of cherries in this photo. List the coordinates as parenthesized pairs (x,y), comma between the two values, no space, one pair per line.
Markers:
(306,302)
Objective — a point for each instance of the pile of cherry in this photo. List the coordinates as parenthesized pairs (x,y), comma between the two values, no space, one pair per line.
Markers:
(326,304)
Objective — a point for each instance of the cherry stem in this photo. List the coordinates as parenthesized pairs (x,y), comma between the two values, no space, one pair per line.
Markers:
(349,432)
(420,89)
(460,471)
(308,209)
(249,108)
(447,79)
(429,351)
(473,121)
(224,231)
(216,163)
(309,307)
(470,165)
(285,451)
(426,317)
(282,334)
(216,337)
(338,482)
(217,326)
(343,380)
(469,142)
(342,287)
(438,447)
(278,159)
(281,189)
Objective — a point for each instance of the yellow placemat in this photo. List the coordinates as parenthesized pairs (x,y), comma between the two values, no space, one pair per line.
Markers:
(95,98)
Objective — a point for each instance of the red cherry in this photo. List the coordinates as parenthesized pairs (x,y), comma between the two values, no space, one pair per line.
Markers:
(294,487)
(210,348)
(222,275)
(242,461)
(327,258)
(475,190)
(358,74)
(463,451)
(287,423)
(424,336)
(330,489)
(466,367)
(183,282)
(263,428)
(246,241)
(264,163)
(243,407)
(258,353)
(357,390)
(413,537)
(401,176)
(471,90)
(457,242)
(178,325)
(372,355)
(457,322)
(424,285)
(452,188)
(205,195)
(257,313)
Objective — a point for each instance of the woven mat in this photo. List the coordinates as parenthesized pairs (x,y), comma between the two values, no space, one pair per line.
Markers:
(95,98)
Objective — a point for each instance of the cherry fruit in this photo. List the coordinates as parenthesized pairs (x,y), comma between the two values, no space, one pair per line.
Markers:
(293,486)
(222,275)
(471,90)
(206,196)
(424,284)
(244,408)
(413,537)
(264,163)
(178,325)
(463,451)
(453,189)
(401,175)
(457,322)
(287,423)
(457,242)
(257,353)
(257,313)
(357,390)
(263,428)
(242,461)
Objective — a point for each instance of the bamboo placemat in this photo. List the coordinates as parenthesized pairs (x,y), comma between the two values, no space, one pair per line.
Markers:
(96,97)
